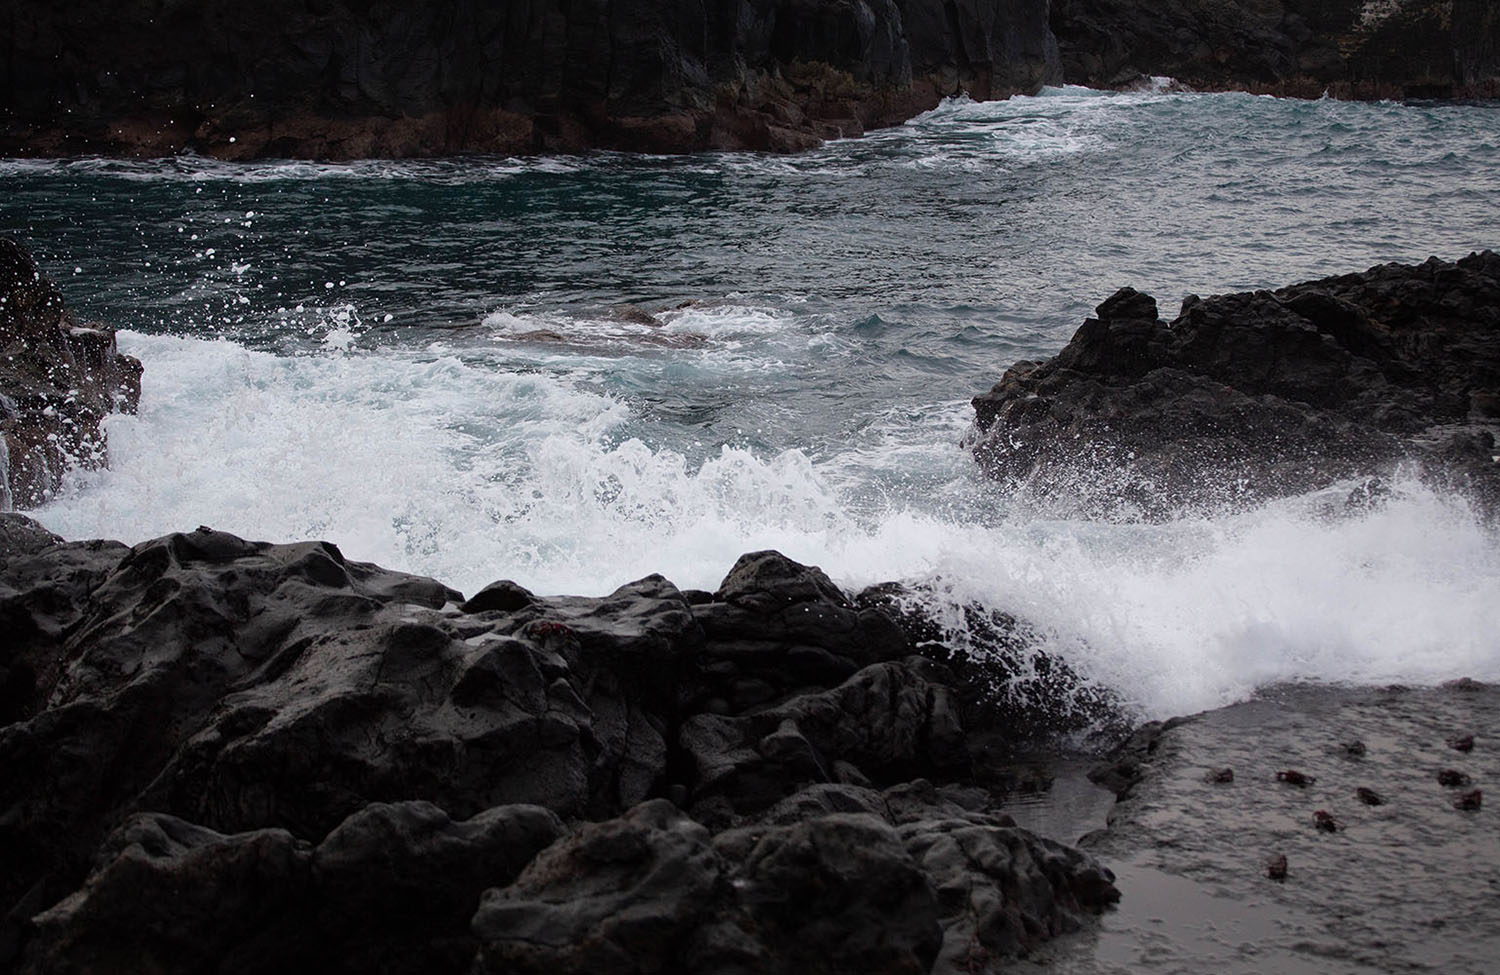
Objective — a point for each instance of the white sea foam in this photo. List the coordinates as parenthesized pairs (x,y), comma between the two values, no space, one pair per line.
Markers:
(469,473)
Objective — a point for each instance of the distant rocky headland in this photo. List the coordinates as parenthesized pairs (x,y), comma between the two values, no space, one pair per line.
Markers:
(1243,397)
(339,80)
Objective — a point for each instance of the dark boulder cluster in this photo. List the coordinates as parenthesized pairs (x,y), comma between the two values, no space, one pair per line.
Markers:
(1246,396)
(339,79)
(240,757)
(58,380)
(1349,48)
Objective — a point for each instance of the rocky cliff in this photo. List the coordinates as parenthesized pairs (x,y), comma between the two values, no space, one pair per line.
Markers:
(344,78)
(1353,48)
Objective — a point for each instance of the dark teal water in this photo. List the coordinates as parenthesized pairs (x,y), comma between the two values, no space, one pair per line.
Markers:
(424,362)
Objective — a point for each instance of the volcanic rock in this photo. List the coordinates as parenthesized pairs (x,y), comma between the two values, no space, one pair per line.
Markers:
(347,80)
(295,761)
(1252,395)
(59,379)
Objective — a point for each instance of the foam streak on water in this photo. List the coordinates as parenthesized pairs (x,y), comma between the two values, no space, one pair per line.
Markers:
(425,363)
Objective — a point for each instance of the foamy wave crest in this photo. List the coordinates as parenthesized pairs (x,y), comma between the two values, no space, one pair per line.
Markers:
(470,473)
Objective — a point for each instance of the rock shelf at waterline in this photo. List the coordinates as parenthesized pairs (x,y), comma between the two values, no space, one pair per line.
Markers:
(260,758)
(1263,394)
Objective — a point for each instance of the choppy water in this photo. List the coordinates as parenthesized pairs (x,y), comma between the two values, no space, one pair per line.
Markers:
(420,362)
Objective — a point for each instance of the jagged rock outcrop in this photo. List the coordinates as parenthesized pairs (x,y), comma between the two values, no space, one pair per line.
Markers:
(381,776)
(338,79)
(1351,48)
(1246,396)
(58,381)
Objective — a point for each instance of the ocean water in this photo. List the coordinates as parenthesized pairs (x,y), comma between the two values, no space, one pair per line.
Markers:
(427,363)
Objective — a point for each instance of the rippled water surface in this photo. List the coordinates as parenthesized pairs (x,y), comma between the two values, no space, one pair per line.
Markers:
(426,363)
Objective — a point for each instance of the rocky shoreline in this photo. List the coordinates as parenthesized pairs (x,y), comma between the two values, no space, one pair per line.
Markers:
(1250,396)
(1313,829)
(338,80)
(258,758)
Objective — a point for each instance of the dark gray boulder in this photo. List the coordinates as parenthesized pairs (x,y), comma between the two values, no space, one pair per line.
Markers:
(392,889)
(627,895)
(171,896)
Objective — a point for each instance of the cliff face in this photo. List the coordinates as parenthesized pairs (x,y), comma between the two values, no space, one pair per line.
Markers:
(349,78)
(1354,48)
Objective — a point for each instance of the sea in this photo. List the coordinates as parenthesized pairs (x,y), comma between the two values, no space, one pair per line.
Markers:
(575,371)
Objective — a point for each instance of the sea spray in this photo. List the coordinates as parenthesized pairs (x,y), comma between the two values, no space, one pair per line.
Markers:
(470,474)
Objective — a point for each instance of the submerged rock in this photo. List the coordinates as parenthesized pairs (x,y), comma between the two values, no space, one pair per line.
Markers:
(1248,396)
(59,379)
(385,777)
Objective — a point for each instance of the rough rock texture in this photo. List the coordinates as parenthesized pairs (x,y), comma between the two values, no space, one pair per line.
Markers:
(1353,48)
(1251,395)
(58,380)
(234,756)
(341,79)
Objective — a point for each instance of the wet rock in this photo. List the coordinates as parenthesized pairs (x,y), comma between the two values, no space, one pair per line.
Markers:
(1469,801)
(626,895)
(1452,778)
(1003,891)
(1276,867)
(1294,777)
(359,753)
(841,893)
(1461,743)
(1219,776)
(20,535)
(886,720)
(396,885)
(392,889)
(170,896)
(1253,395)
(1369,796)
(59,379)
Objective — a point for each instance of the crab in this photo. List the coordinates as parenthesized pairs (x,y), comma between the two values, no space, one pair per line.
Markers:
(1469,801)
(1323,819)
(1461,743)
(1293,777)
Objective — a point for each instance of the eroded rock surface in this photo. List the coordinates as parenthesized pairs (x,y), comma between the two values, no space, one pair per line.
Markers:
(775,777)
(1246,396)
